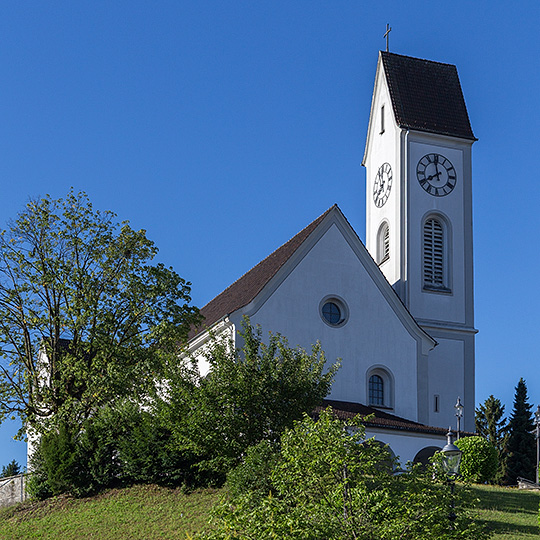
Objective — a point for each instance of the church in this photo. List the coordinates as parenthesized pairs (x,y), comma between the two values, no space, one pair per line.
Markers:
(398,310)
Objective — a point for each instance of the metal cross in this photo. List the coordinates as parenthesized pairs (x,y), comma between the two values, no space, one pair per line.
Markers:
(387,35)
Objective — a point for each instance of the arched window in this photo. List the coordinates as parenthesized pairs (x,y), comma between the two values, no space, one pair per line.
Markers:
(376,390)
(380,387)
(383,243)
(435,254)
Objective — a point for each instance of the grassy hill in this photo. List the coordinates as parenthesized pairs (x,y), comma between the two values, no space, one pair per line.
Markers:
(151,512)
(136,513)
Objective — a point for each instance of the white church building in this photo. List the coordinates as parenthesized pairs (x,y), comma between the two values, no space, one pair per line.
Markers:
(399,310)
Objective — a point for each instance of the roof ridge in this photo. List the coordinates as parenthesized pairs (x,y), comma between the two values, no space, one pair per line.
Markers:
(417,58)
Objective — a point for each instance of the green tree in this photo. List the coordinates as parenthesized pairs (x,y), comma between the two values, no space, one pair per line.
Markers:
(520,448)
(84,316)
(479,460)
(250,394)
(11,469)
(491,424)
(328,482)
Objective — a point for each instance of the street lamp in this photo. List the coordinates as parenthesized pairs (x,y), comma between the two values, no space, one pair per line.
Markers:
(537,422)
(451,458)
(459,413)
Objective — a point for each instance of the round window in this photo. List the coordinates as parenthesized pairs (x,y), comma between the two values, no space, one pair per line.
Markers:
(333,311)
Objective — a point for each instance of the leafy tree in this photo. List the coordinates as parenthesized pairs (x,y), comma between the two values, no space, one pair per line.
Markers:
(520,448)
(250,394)
(479,460)
(11,469)
(491,424)
(328,482)
(84,316)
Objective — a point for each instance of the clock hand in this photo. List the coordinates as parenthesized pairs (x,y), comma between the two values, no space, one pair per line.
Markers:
(432,176)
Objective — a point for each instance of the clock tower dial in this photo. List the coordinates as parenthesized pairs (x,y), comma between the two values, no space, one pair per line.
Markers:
(382,185)
(436,175)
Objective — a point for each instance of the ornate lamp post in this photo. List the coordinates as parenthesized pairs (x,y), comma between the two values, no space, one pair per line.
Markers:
(459,413)
(537,422)
(451,458)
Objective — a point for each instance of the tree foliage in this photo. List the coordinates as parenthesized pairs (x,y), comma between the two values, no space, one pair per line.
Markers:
(11,469)
(84,316)
(491,424)
(330,482)
(520,448)
(479,460)
(250,394)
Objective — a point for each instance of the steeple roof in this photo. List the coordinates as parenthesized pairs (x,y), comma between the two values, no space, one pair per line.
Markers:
(426,96)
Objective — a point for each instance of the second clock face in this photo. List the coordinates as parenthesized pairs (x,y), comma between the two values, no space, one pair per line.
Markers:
(436,175)
(382,185)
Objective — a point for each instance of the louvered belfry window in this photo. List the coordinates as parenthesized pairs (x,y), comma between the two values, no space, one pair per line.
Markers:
(383,242)
(434,253)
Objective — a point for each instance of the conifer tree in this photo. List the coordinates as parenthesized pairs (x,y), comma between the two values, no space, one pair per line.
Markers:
(520,448)
(11,469)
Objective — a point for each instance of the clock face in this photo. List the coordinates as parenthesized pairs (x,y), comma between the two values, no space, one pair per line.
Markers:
(436,175)
(382,185)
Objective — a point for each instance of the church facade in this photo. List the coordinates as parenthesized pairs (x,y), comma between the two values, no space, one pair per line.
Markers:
(398,311)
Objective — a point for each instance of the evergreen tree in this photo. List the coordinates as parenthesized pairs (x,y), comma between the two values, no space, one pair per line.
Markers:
(491,424)
(11,469)
(520,448)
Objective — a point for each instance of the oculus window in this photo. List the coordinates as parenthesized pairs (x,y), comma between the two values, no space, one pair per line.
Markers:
(334,311)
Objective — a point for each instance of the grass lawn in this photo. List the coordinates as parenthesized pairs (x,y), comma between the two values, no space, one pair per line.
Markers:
(139,512)
(151,512)
(510,512)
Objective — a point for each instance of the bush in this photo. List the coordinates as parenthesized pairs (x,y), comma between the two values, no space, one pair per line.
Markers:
(479,460)
(120,445)
(327,482)
(253,474)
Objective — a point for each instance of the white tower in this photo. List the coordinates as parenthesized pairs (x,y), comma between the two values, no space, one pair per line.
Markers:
(419,219)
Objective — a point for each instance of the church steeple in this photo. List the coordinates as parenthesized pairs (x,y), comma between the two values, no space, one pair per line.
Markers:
(419,211)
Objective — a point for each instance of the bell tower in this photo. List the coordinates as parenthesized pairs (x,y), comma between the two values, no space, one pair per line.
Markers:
(419,219)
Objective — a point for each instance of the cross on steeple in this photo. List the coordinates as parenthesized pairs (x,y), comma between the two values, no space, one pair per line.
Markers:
(387,35)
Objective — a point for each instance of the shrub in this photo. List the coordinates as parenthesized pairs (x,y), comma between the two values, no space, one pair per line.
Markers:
(327,482)
(479,460)
(119,445)
(253,474)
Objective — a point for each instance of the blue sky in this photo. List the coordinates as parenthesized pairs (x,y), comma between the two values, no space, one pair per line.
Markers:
(223,128)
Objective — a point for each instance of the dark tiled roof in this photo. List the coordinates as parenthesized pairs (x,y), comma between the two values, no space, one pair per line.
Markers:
(426,96)
(245,289)
(345,410)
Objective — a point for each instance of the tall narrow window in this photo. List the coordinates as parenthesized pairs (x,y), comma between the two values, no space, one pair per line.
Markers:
(376,390)
(434,255)
(383,243)
(382,119)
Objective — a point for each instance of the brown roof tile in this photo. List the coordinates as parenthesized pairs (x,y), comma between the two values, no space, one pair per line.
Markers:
(245,289)
(345,410)
(426,96)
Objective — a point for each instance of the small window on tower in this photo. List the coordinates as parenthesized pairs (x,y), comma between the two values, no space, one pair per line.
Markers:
(383,243)
(436,403)
(382,119)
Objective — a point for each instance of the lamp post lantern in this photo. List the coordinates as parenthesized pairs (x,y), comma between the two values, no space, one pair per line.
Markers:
(459,413)
(537,422)
(451,458)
